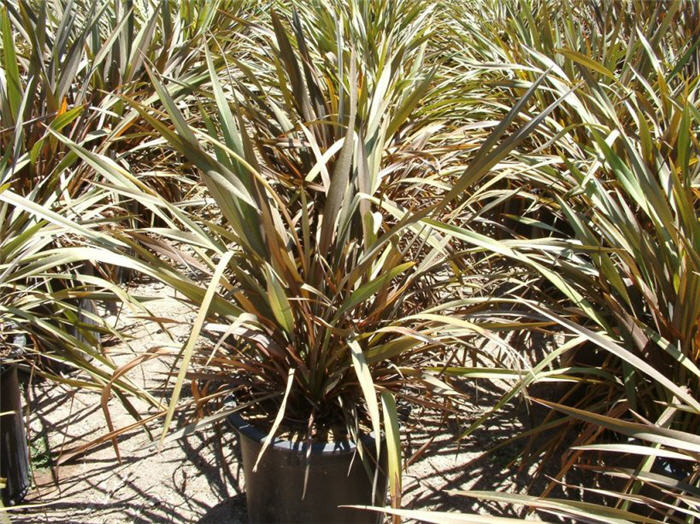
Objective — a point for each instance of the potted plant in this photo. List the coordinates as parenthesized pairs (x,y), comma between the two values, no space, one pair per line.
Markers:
(318,305)
(335,284)
(37,326)
(43,308)
(53,217)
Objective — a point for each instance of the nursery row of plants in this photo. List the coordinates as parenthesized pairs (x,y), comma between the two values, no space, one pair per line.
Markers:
(371,204)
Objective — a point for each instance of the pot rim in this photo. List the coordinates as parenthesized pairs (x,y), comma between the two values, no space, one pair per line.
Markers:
(317,448)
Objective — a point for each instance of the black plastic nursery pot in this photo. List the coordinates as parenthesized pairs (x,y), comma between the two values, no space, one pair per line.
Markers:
(14,455)
(336,477)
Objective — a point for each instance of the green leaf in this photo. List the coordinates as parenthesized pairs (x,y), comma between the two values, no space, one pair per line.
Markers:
(279,303)
(651,433)
(364,376)
(586,61)
(634,449)
(12,78)
(410,103)
(341,172)
(188,350)
(278,419)
(369,289)
(393,443)
(444,517)
(573,508)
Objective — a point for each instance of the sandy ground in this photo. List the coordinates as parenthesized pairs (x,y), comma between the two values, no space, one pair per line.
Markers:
(197,478)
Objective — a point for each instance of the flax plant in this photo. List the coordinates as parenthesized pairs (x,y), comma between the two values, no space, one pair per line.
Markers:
(40,292)
(610,185)
(330,298)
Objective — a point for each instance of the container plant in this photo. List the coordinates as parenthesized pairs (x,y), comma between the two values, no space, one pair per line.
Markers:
(321,282)
(330,287)
(29,321)
(43,284)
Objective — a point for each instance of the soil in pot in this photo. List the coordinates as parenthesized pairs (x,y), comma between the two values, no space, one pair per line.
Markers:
(336,476)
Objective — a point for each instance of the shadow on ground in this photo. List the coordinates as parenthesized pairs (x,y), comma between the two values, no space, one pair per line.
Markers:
(192,479)
(198,478)
(489,459)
